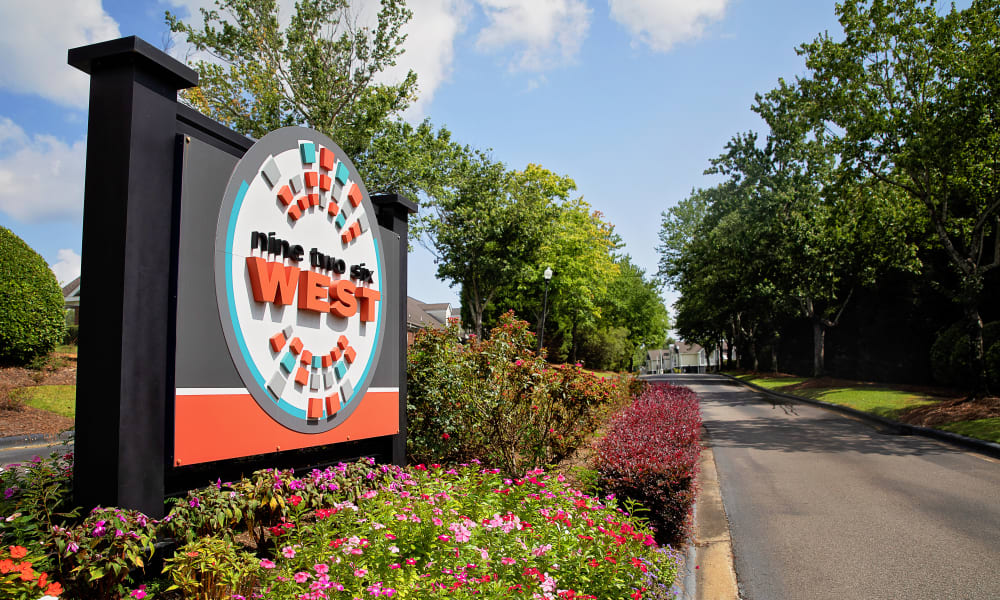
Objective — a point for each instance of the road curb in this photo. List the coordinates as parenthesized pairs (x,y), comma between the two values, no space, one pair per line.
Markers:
(709,570)
(982,446)
(35,439)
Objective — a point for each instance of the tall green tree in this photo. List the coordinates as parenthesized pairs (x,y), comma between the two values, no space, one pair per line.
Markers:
(320,70)
(580,251)
(633,305)
(488,231)
(911,98)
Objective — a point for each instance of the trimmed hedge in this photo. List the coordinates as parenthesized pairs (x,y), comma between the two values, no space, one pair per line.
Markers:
(650,455)
(32,320)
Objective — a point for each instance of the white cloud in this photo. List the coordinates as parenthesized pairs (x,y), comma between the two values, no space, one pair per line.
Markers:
(662,23)
(430,40)
(67,268)
(430,48)
(34,38)
(548,33)
(40,176)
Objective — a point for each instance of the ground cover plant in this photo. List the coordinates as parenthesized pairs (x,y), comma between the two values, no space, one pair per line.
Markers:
(650,455)
(350,531)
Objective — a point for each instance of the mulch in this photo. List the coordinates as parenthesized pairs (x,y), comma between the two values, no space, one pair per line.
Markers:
(950,411)
(25,420)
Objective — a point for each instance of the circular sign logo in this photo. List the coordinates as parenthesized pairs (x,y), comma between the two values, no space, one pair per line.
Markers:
(300,279)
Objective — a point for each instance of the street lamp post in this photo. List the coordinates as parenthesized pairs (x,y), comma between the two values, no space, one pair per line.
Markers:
(545,302)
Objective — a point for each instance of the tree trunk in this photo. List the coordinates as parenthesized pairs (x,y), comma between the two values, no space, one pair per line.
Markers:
(975,323)
(819,348)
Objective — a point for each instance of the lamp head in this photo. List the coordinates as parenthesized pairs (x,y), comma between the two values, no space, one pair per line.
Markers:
(548,273)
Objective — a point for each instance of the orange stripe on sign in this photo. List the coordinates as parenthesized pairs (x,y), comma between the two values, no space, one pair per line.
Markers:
(211,427)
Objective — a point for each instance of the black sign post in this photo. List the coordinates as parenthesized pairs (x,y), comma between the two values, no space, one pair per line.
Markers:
(126,327)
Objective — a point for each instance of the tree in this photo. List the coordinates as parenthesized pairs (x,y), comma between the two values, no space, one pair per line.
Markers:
(580,253)
(416,161)
(634,306)
(487,232)
(911,98)
(318,71)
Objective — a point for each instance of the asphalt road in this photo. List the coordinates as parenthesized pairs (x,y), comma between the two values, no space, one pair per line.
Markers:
(23,453)
(824,506)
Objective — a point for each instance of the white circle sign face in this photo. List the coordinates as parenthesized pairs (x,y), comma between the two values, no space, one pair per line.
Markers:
(300,279)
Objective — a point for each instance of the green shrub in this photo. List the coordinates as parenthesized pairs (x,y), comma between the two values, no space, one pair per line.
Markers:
(951,355)
(497,400)
(32,322)
(212,568)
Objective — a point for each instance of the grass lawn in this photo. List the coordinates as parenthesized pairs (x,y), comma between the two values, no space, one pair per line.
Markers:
(66,349)
(981,429)
(878,400)
(60,399)
(881,401)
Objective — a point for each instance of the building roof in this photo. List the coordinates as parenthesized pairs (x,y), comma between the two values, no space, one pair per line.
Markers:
(418,314)
(686,348)
(71,292)
(657,354)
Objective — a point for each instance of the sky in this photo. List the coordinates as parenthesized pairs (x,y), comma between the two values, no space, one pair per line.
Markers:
(629,98)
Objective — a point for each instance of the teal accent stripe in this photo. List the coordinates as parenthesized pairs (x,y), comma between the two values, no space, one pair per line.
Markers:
(288,408)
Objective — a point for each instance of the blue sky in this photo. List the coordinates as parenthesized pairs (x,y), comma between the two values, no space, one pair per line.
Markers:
(630,98)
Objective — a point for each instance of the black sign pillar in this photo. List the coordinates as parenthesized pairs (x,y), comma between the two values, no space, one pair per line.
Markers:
(394,212)
(129,228)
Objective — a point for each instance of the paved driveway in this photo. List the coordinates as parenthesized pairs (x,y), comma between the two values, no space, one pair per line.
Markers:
(824,506)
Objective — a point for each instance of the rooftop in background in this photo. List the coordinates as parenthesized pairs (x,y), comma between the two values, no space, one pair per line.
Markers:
(420,314)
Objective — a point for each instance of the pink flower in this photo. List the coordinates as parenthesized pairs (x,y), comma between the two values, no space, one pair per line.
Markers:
(360,572)
(321,568)
(445,436)
(288,552)
(266,564)
(301,577)
(519,362)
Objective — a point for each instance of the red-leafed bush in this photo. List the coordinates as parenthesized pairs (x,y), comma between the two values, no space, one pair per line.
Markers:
(650,455)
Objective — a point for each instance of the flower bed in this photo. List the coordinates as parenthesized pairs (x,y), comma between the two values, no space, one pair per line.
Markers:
(351,531)
(650,455)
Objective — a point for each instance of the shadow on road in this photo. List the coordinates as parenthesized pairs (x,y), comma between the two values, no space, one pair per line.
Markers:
(793,426)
